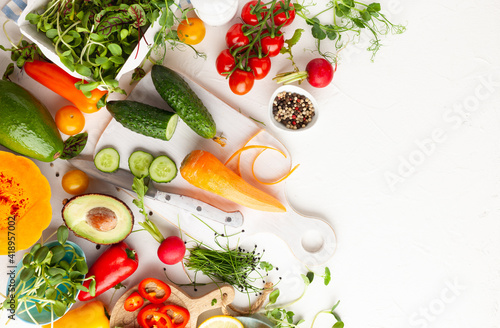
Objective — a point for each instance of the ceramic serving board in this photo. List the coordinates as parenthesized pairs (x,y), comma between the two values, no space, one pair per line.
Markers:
(196,306)
(312,240)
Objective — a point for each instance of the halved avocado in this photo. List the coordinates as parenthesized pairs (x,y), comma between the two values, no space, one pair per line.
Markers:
(100,218)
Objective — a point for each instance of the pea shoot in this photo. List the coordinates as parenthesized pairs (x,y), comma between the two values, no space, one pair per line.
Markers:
(349,16)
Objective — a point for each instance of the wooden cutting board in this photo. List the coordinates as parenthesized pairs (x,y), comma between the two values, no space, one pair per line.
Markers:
(196,306)
(312,240)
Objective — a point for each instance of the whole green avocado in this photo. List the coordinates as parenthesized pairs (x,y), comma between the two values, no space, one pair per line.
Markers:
(26,125)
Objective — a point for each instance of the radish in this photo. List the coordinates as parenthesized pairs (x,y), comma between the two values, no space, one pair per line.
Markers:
(171,250)
(319,74)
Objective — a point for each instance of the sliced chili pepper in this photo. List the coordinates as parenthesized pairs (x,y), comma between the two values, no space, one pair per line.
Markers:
(155,319)
(133,302)
(154,290)
(141,317)
(178,314)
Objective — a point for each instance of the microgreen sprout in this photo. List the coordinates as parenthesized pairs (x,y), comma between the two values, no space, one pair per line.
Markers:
(50,278)
(349,16)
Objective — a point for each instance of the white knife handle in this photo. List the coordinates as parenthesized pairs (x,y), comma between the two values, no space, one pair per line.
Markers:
(200,208)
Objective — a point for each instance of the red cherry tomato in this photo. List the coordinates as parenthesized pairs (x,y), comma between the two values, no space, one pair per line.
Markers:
(247,16)
(272,46)
(259,66)
(225,62)
(235,37)
(284,18)
(241,82)
(319,72)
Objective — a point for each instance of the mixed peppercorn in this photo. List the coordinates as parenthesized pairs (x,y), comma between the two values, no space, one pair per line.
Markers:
(293,110)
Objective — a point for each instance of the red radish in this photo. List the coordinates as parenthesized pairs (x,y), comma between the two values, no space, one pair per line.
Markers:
(171,250)
(319,72)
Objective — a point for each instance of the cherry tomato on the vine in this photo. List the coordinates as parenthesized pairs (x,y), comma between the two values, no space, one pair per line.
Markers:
(259,66)
(225,62)
(70,120)
(272,46)
(284,18)
(241,82)
(191,31)
(235,37)
(247,16)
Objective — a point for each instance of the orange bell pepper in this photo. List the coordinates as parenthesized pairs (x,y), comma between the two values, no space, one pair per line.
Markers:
(57,80)
(90,315)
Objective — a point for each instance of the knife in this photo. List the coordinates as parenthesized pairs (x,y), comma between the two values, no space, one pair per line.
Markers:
(124,179)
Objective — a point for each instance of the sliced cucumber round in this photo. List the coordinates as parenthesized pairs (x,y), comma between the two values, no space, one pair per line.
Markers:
(162,169)
(139,162)
(107,160)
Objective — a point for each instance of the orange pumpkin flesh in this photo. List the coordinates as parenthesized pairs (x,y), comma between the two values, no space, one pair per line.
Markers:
(24,195)
(205,171)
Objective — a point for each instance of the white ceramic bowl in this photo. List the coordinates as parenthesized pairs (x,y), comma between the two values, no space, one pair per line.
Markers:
(298,90)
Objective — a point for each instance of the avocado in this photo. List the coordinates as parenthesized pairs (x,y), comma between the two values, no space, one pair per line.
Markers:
(26,125)
(100,218)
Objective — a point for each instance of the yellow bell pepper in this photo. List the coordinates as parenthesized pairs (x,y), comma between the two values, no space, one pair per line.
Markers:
(90,315)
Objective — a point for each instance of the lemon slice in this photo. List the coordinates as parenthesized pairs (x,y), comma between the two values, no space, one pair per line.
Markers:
(221,321)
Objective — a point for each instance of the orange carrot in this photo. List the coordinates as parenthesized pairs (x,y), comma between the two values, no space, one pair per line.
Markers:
(203,170)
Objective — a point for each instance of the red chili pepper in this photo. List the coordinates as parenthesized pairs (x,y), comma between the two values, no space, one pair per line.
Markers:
(57,80)
(150,317)
(178,314)
(154,290)
(133,302)
(116,264)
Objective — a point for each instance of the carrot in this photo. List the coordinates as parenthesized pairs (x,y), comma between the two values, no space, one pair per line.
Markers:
(203,170)
(56,79)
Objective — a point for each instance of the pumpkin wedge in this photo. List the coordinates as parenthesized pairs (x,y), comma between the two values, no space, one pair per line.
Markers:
(25,209)
(203,170)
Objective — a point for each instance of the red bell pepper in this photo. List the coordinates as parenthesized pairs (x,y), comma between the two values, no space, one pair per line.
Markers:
(133,302)
(146,312)
(178,314)
(116,264)
(154,290)
(57,80)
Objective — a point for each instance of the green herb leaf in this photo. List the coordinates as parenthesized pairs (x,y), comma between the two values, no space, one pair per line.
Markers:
(59,308)
(57,279)
(8,71)
(26,274)
(74,145)
(74,275)
(83,70)
(28,257)
(295,38)
(327,278)
(317,32)
(115,49)
(334,307)
(266,266)
(310,276)
(58,253)
(92,287)
(52,33)
(51,294)
(81,266)
(39,307)
(338,324)
(62,234)
(41,254)
(214,301)
(273,297)
(374,7)
(56,271)
(137,13)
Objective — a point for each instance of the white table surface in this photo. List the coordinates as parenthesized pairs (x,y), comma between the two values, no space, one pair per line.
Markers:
(404,164)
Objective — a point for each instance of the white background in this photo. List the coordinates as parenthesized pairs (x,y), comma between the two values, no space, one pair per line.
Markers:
(404,163)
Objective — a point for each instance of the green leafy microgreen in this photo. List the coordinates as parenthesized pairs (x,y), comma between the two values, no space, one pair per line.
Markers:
(62,234)
(214,301)
(141,188)
(352,17)
(46,282)
(74,145)
(327,277)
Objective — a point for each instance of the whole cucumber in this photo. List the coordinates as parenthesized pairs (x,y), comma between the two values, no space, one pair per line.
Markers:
(144,119)
(26,125)
(182,99)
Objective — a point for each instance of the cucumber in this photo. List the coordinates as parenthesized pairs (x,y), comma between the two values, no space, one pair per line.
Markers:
(107,160)
(139,162)
(144,119)
(162,169)
(182,99)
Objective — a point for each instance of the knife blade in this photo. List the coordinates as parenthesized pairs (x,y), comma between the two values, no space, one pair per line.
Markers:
(124,179)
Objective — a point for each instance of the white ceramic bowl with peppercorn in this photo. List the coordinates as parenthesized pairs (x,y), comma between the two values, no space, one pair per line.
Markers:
(293,109)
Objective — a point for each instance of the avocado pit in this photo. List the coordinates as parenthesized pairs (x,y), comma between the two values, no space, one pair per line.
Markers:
(102,219)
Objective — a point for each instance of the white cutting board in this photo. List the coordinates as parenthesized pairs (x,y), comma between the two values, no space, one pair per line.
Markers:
(311,240)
